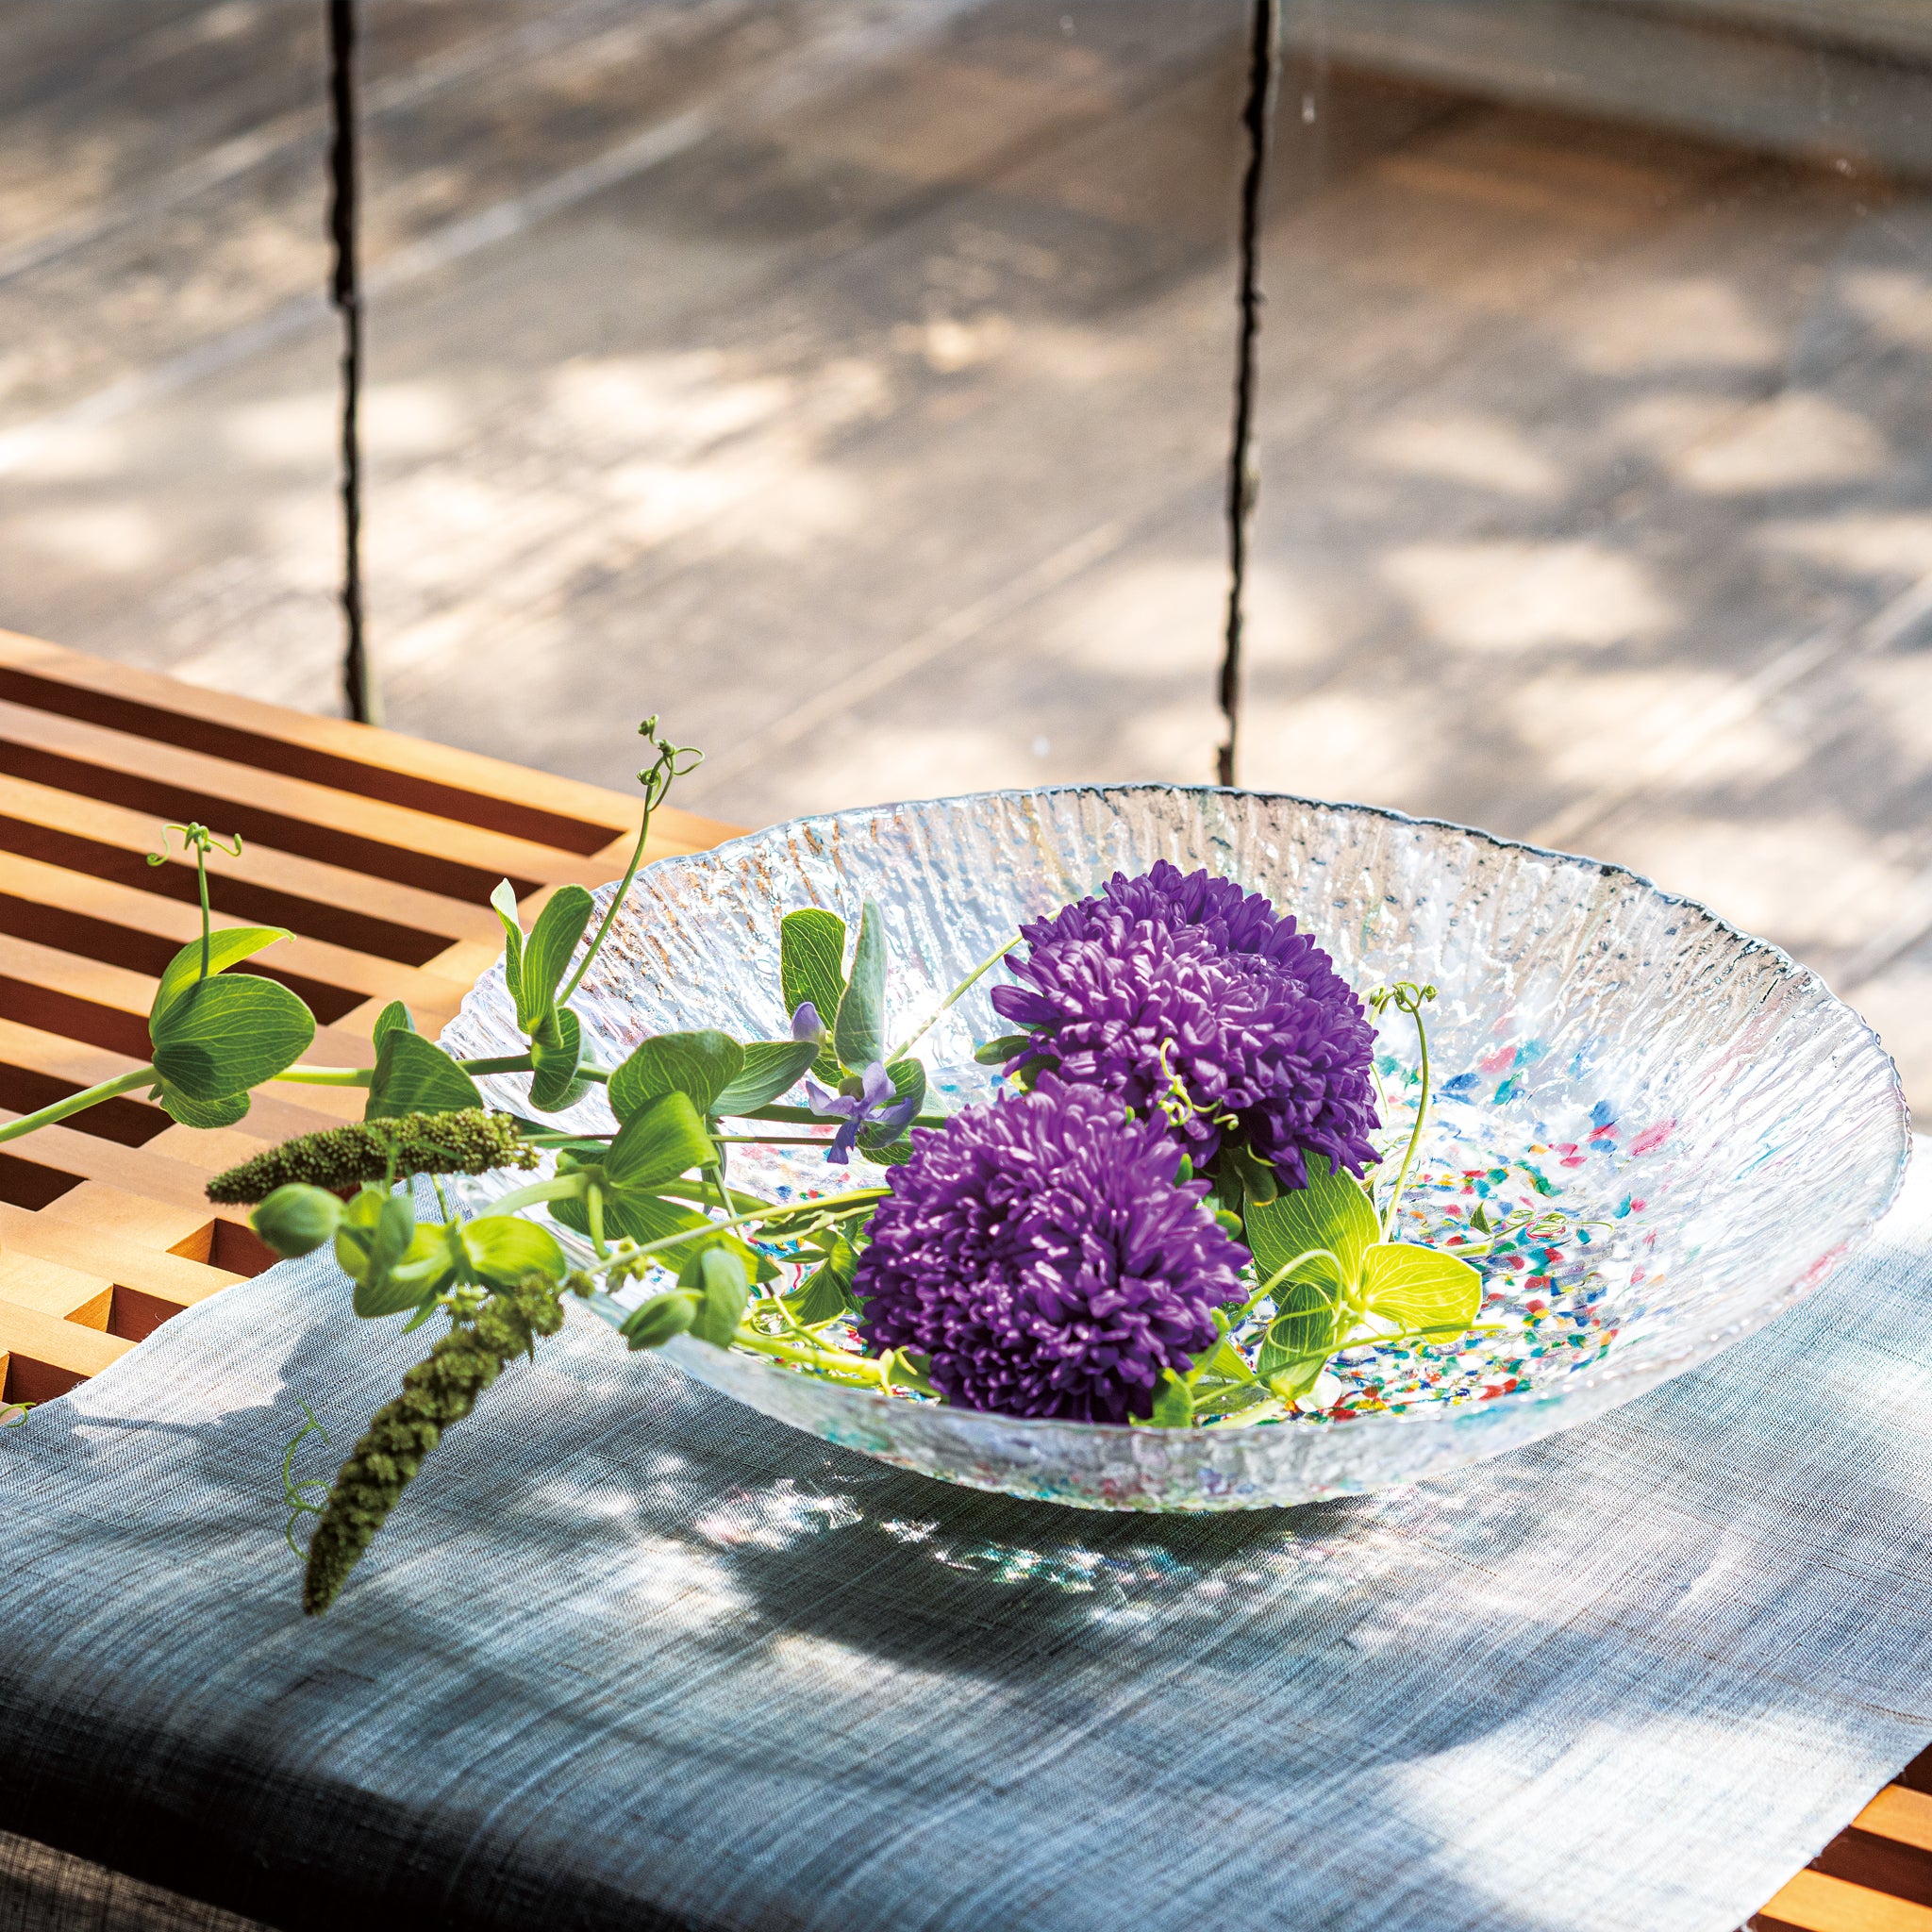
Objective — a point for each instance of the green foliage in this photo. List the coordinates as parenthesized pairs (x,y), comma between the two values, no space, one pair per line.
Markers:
(1331,1214)
(393,1016)
(771,1067)
(996,1053)
(218,1037)
(502,902)
(501,1249)
(415,1075)
(717,1275)
(700,1065)
(858,1034)
(811,955)
(1420,1287)
(374,1237)
(226,946)
(556,1051)
(662,1141)
(547,954)
(1174,1404)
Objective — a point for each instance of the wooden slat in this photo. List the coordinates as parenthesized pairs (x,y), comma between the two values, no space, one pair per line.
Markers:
(1813,1902)
(1904,1817)
(378,852)
(85,835)
(391,841)
(348,757)
(64,897)
(47,1356)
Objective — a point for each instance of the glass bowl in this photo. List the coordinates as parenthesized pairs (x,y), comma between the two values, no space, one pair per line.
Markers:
(1699,1129)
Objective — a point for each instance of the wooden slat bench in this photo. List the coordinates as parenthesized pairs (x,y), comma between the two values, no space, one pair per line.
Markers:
(378,851)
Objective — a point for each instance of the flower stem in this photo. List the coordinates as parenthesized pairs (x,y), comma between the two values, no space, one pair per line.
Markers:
(938,1013)
(559,1188)
(77,1103)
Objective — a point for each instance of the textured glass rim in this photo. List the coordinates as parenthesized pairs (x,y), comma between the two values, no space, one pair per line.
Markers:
(1644,1373)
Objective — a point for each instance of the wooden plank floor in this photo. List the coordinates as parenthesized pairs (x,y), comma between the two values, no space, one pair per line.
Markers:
(105,1228)
(848,381)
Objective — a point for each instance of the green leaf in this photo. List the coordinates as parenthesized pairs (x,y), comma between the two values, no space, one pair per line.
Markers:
(502,1249)
(699,1065)
(415,1075)
(547,953)
(897,1155)
(819,1297)
(1331,1212)
(812,954)
(1294,1379)
(381,1233)
(640,1218)
(393,1016)
(1420,1287)
(663,1140)
(555,1085)
(1259,1182)
(858,1034)
(771,1067)
(723,1291)
(908,1083)
(996,1053)
(1174,1406)
(1224,1361)
(1305,1318)
(504,903)
(226,1035)
(225,945)
(203,1113)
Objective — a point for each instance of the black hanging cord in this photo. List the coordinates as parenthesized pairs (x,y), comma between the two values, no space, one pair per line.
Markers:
(346,290)
(1258,116)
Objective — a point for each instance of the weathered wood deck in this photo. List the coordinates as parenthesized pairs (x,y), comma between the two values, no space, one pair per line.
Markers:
(847,380)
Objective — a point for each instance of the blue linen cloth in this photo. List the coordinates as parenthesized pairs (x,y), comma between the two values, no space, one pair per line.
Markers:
(631,1655)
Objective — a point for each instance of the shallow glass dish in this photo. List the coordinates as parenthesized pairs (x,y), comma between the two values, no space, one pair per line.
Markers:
(1700,1130)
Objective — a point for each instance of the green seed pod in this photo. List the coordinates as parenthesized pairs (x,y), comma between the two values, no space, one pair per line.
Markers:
(655,1322)
(297,1219)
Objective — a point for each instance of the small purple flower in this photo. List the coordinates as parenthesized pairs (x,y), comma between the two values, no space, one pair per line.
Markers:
(1041,1253)
(1197,1004)
(869,1106)
(806,1023)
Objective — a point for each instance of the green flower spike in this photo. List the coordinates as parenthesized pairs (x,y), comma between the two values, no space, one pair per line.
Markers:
(435,1393)
(468,1141)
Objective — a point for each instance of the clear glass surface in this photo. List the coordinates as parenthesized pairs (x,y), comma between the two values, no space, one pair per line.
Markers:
(1701,1128)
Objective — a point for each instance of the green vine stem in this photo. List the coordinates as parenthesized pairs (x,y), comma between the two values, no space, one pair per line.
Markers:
(1407,997)
(78,1102)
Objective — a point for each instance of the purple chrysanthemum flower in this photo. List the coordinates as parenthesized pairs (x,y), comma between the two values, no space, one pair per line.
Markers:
(1172,977)
(1041,1253)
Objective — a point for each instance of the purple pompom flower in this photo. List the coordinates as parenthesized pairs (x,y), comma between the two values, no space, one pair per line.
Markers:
(1041,1253)
(1196,1003)
(869,1107)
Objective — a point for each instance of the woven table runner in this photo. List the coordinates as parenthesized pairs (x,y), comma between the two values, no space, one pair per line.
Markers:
(631,1655)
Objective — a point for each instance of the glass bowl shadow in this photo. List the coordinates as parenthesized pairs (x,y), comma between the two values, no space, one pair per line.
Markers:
(1688,1129)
